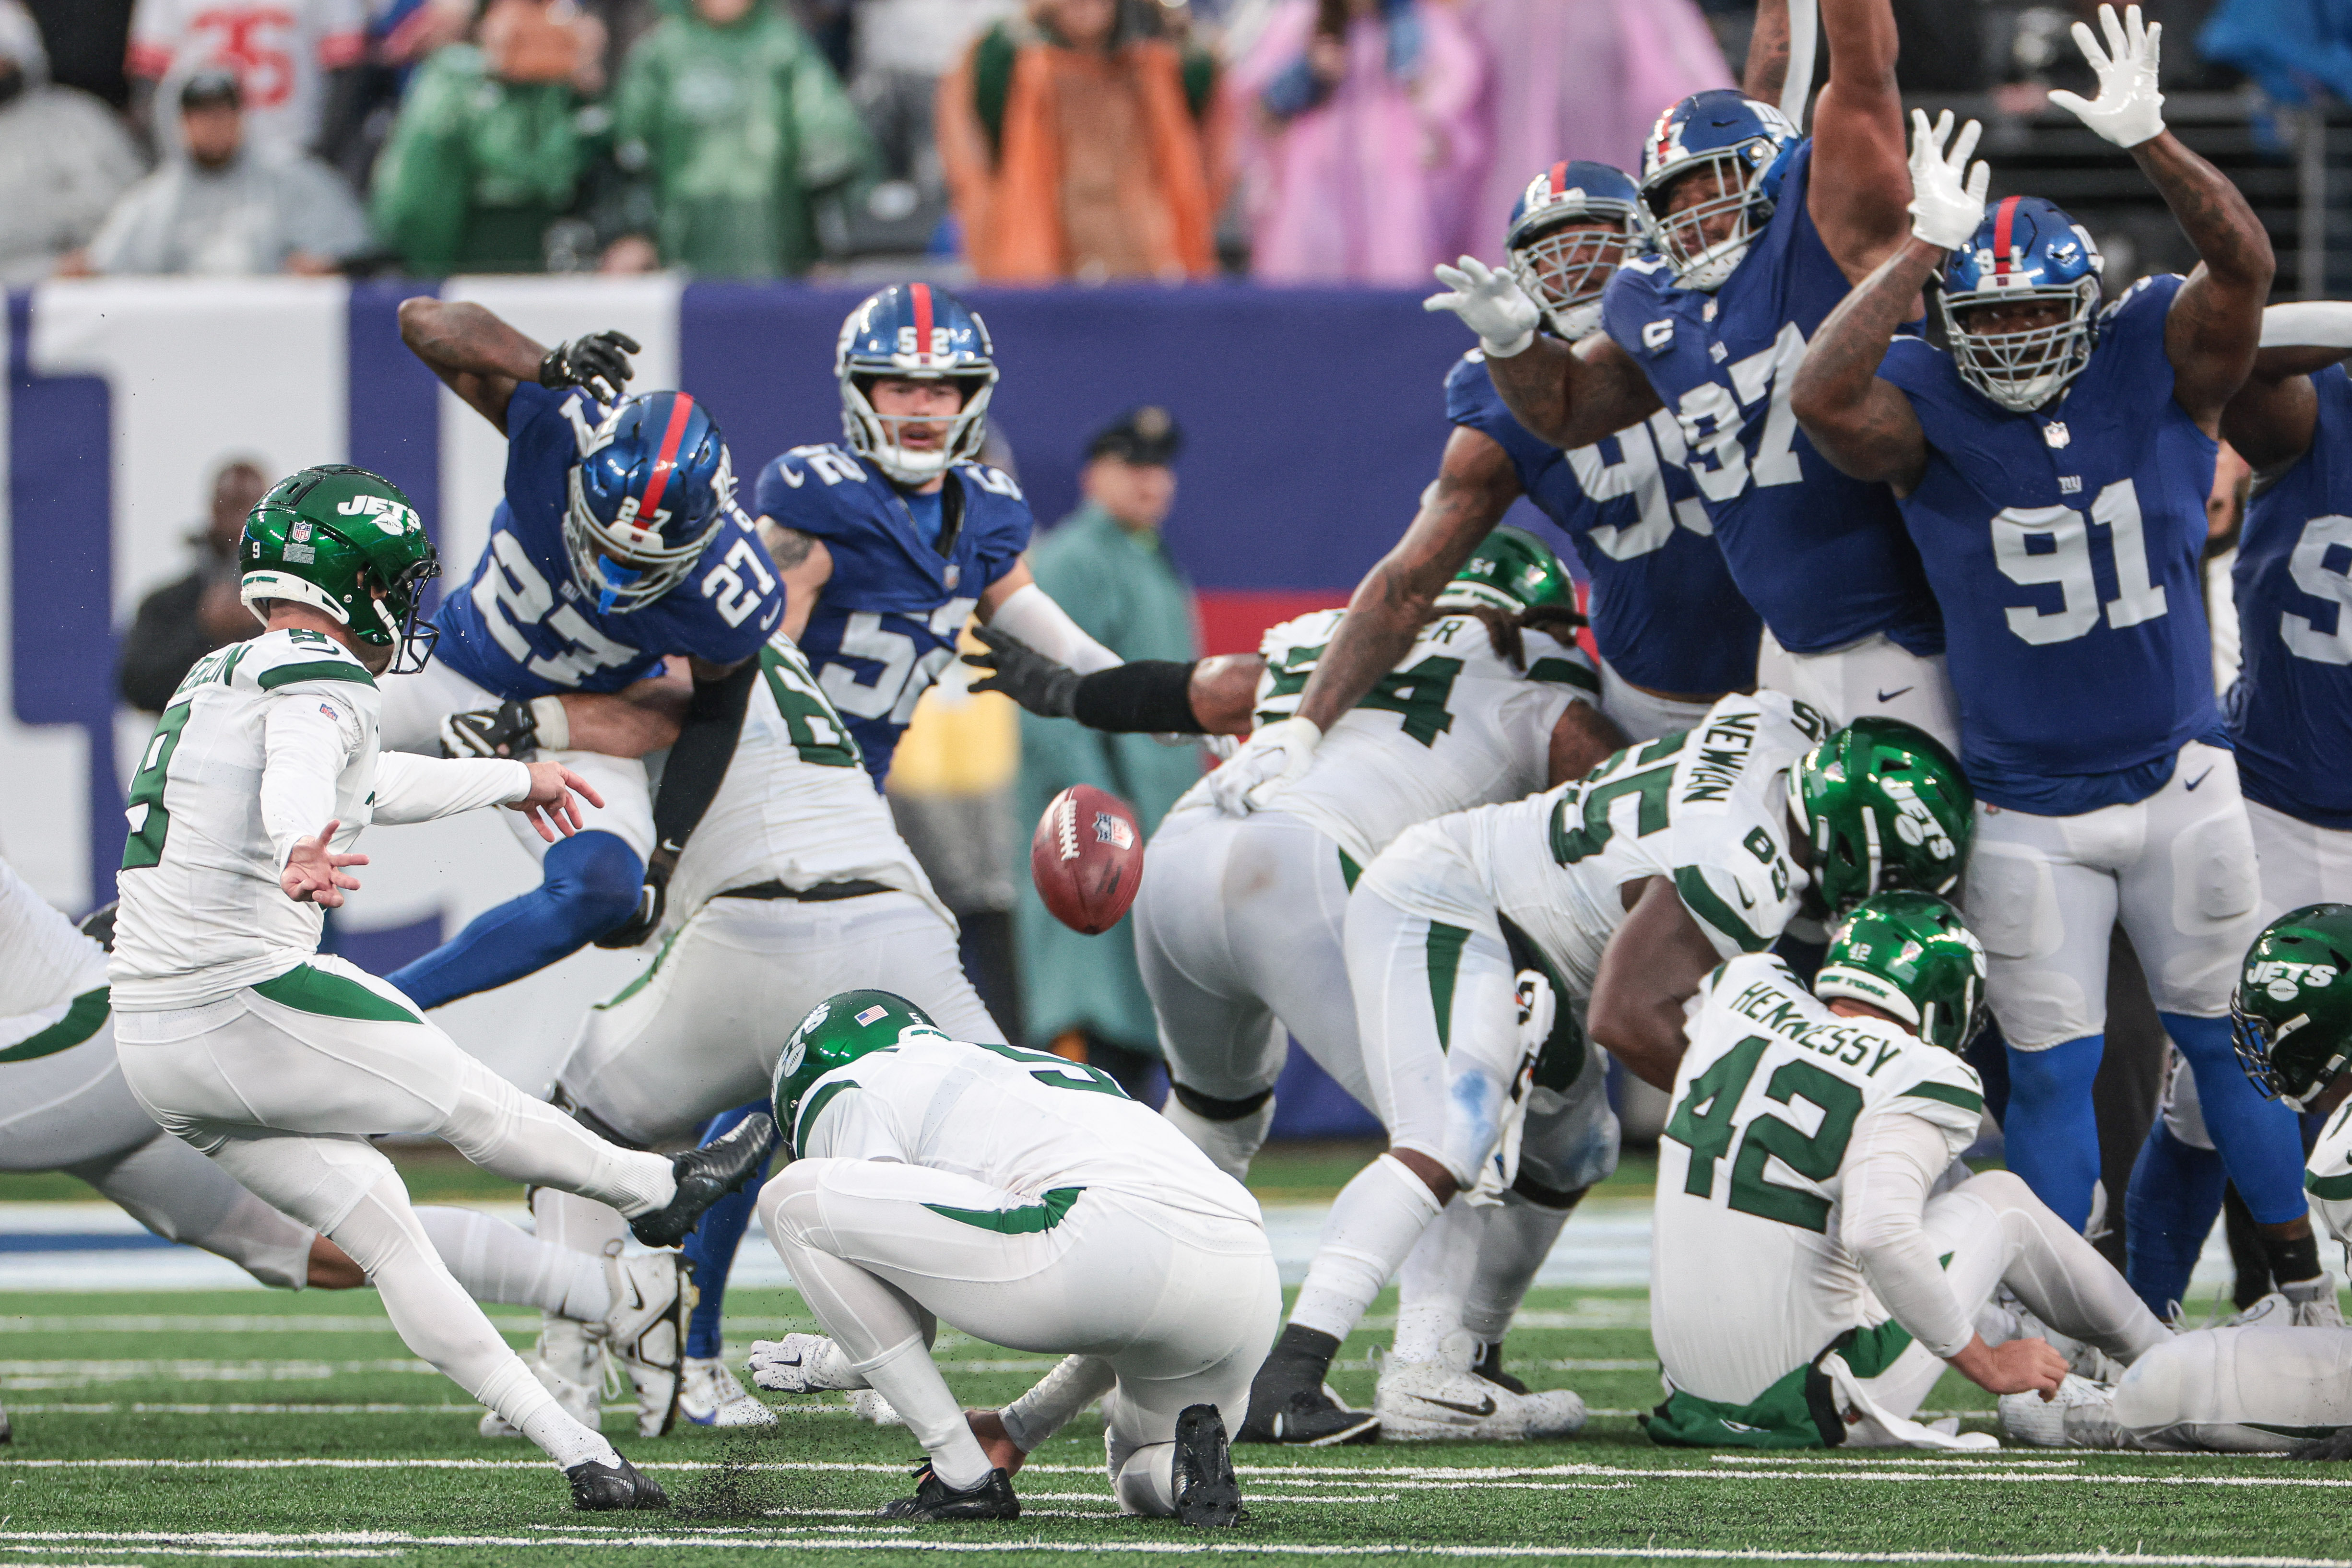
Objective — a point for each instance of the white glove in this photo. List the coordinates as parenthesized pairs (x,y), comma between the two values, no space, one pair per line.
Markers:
(1490,303)
(1275,756)
(1947,197)
(2129,110)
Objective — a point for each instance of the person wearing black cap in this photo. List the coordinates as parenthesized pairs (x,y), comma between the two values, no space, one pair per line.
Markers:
(1105,563)
(216,206)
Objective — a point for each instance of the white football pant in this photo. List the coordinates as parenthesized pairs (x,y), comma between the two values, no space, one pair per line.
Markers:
(1164,1308)
(2302,863)
(415,703)
(1644,715)
(1875,677)
(282,1097)
(2259,1389)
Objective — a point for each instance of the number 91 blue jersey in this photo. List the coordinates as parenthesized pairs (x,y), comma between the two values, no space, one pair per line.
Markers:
(885,623)
(522,628)
(2291,711)
(2065,546)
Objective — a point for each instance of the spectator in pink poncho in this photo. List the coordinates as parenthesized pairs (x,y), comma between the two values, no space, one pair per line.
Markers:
(1366,139)
(1580,79)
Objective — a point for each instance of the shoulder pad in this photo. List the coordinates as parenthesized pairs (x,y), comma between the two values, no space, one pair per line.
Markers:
(277,659)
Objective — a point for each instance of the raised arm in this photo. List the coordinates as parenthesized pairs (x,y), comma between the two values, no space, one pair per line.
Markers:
(1571,397)
(1860,185)
(482,359)
(1142,696)
(1766,75)
(1860,423)
(2272,419)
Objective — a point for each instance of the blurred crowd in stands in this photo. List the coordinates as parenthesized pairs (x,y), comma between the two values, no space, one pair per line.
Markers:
(1025,141)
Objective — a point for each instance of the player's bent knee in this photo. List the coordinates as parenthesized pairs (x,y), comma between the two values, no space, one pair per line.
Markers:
(2002,1191)
(788,1201)
(2152,1393)
(595,878)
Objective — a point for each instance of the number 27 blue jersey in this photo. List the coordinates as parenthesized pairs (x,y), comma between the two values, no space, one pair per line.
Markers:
(522,628)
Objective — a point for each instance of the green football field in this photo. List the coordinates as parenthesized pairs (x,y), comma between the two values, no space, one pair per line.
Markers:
(152,1429)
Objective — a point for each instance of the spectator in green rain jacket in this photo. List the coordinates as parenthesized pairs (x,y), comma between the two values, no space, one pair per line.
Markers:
(739,129)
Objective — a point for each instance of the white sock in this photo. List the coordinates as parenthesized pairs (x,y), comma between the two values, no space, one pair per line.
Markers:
(1519,1236)
(495,1262)
(506,1132)
(1375,1222)
(1074,1382)
(1230,1146)
(1429,1285)
(910,1381)
(1146,1481)
(515,1394)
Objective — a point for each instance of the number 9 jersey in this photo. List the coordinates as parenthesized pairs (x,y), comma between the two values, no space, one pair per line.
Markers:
(887,620)
(521,628)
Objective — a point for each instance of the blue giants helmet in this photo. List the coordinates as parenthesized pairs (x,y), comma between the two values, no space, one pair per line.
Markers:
(1564,269)
(647,495)
(912,331)
(1743,140)
(2026,249)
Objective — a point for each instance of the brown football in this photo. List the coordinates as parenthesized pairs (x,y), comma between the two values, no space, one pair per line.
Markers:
(1086,858)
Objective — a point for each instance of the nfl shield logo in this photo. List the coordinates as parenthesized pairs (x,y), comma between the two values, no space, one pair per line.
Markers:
(2055,433)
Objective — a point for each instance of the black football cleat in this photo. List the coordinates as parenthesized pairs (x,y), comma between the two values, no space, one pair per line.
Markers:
(704,1176)
(1207,1495)
(599,1488)
(935,1500)
(1304,1415)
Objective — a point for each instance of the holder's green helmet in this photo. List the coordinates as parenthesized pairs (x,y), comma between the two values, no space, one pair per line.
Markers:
(2291,1016)
(1888,807)
(837,1032)
(330,536)
(1512,571)
(1911,954)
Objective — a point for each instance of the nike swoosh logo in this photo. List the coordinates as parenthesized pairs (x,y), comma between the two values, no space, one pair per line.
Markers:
(774,616)
(2198,779)
(1890,697)
(1484,1407)
(1745,902)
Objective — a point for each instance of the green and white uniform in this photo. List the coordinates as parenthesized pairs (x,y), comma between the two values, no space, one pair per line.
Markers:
(1808,1279)
(1239,922)
(1025,1200)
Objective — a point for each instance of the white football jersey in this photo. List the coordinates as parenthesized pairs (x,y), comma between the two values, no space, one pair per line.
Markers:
(52,977)
(2328,1172)
(1749,1278)
(1025,1121)
(1452,725)
(203,914)
(1706,806)
(797,805)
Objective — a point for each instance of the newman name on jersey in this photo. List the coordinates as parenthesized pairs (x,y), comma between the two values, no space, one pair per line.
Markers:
(522,627)
(885,624)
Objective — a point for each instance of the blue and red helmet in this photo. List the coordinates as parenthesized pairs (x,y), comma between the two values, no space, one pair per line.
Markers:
(654,485)
(914,331)
(2026,249)
(1564,268)
(1746,142)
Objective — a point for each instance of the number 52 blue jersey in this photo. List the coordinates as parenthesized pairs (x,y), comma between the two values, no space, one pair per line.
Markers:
(521,627)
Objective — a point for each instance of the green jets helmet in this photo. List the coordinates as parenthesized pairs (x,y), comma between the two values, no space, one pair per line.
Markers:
(346,541)
(1911,954)
(1888,807)
(1512,571)
(837,1032)
(2291,1016)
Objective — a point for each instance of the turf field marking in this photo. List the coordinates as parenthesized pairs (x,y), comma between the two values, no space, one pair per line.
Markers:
(332,1322)
(32,1375)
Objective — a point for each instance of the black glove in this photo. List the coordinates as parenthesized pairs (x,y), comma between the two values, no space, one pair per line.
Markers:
(651,898)
(506,730)
(1046,689)
(599,362)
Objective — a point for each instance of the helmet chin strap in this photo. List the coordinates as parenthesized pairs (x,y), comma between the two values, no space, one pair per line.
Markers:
(617,576)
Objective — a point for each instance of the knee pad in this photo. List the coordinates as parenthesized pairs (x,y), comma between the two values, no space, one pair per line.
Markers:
(1542,1196)
(595,878)
(1210,1108)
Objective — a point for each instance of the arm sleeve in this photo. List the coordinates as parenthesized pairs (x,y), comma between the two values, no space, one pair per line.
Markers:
(410,787)
(2309,324)
(306,740)
(1031,615)
(1148,696)
(698,758)
(1891,1166)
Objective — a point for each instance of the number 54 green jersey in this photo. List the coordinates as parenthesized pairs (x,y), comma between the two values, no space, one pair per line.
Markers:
(1748,1276)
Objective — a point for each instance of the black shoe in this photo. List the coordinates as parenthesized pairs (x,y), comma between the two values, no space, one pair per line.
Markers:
(596,1488)
(704,1176)
(935,1500)
(1207,1496)
(1490,1368)
(1284,1410)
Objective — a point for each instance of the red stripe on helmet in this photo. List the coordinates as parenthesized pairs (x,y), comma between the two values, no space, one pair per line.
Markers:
(1558,178)
(2003,216)
(922,298)
(665,458)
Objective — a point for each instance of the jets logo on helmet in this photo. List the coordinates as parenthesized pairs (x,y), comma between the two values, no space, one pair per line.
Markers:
(1743,143)
(309,540)
(2025,252)
(837,1032)
(1888,807)
(912,331)
(1511,571)
(1570,229)
(653,484)
(2290,1015)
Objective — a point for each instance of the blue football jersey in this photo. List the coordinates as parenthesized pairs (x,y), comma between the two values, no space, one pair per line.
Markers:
(1822,556)
(885,624)
(2291,710)
(522,628)
(2063,546)
(1664,612)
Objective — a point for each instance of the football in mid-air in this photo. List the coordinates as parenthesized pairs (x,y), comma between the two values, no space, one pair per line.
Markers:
(1086,858)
